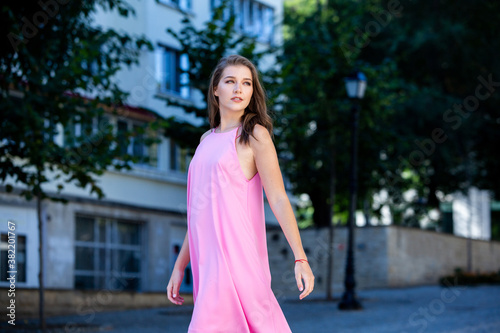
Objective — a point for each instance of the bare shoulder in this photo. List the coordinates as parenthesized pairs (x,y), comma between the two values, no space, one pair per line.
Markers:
(260,137)
(205,135)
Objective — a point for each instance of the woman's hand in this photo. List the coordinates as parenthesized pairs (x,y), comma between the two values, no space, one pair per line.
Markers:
(173,287)
(303,272)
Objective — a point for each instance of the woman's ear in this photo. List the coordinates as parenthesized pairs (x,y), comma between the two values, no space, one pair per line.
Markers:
(215,92)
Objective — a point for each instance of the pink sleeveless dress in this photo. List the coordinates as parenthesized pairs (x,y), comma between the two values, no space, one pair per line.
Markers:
(227,244)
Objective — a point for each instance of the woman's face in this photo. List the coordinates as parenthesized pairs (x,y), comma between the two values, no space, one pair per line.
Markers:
(235,89)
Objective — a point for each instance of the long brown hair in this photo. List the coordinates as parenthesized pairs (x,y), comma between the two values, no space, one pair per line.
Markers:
(256,111)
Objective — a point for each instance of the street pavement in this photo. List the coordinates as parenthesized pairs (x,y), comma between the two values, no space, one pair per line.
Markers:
(457,309)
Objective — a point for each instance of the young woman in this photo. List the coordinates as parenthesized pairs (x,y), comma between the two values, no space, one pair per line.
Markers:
(226,238)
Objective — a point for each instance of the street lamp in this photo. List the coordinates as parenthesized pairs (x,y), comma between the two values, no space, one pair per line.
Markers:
(355,86)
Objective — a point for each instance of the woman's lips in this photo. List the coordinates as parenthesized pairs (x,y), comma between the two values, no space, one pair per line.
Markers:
(237,99)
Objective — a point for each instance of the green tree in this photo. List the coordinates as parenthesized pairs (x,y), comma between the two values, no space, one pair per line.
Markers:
(443,50)
(315,127)
(57,70)
(424,62)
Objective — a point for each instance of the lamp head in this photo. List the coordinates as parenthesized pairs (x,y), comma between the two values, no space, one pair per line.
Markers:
(355,85)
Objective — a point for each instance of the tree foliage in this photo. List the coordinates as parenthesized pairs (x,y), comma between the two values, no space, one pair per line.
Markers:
(422,126)
(443,50)
(315,125)
(57,70)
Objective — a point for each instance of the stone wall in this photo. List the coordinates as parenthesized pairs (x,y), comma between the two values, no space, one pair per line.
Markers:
(420,257)
(385,256)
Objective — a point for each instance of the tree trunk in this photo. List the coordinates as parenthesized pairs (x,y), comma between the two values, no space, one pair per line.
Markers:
(319,202)
(366,211)
(432,199)
(40,274)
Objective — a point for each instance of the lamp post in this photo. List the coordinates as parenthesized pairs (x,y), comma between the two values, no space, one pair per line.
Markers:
(355,86)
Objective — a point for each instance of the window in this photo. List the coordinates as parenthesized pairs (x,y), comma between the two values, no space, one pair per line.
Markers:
(180,4)
(267,24)
(179,157)
(146,152)
(251,18)
(107,254)
(172,71)
(170,67)
(18,244)
(187,282)
(81,130)
(122,129)
(138,147)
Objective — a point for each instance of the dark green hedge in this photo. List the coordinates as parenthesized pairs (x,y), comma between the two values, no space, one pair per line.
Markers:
(470,279)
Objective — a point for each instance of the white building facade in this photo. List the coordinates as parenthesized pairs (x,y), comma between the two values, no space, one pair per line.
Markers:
(130,239)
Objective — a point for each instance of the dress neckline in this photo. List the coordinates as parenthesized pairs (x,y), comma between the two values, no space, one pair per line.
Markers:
(234,128)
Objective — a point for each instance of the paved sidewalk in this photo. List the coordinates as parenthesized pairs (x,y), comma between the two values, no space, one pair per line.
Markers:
(406,310)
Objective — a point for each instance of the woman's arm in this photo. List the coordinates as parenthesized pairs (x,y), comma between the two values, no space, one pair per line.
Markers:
(178,273)
(267,164)
(180,264)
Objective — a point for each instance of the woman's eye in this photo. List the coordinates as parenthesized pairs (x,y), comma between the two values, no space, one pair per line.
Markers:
(229,81)
(248,83)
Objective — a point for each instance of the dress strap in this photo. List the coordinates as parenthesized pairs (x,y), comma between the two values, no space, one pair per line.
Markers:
(237,136)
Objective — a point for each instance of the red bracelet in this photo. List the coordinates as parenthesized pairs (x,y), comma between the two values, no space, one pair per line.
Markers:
(301,260)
